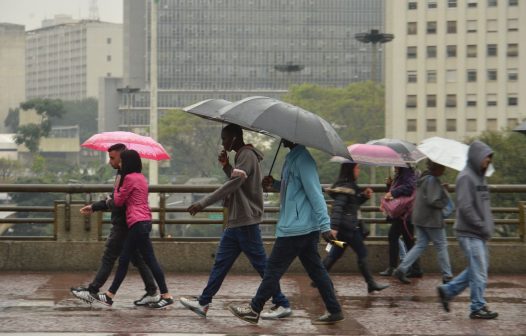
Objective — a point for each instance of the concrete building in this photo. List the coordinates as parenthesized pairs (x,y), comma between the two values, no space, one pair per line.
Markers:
(12,68)
(455,68)
(65,60)
(238,48)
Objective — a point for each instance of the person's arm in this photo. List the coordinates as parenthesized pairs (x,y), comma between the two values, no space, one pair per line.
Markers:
(465,190)
(404,189)
(434,193)
(120,194)
(100,206)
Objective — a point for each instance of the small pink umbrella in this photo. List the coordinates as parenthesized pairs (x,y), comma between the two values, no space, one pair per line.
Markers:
(145,146)
(374,155)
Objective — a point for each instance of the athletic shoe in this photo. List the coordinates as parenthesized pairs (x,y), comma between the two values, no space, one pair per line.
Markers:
(102,298)
(162,303)
(276,312)
(329,318)
(193,304)
(244,312)
(444,299)
(146,299)
(82,294)
(483,314)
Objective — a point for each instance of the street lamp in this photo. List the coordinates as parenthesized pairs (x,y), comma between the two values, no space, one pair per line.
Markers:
(374,37)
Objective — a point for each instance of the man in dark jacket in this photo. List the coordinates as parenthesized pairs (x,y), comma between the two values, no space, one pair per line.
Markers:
(474,226)
(114,243)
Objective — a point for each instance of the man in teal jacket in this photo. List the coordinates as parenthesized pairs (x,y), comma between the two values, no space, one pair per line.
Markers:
(303,215)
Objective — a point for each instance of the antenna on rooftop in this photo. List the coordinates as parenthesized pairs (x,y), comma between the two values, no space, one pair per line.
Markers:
(93,10)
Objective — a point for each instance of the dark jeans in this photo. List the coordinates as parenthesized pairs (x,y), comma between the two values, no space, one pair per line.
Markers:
(285,250)
(399,228)
(354,240)
(246,239)
(113,249)
(138,239)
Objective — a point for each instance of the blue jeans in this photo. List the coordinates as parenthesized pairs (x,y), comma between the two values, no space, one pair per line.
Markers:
(425,235)
(285,250)
(475,275)
(246,239)
(138,238)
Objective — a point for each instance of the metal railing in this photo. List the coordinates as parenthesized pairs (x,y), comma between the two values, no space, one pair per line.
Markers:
(162,219)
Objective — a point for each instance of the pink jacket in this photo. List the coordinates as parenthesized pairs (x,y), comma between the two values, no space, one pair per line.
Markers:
(134,195)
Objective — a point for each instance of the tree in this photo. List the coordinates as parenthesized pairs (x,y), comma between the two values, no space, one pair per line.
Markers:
(12,120)
(82,113)
(8,170)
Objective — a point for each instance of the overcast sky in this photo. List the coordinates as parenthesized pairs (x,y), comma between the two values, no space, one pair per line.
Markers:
(31,12)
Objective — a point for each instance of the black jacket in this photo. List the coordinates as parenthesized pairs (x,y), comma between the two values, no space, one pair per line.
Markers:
(118,214)
(347,200)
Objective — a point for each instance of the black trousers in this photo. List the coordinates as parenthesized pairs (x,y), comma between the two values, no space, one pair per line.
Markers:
(397,229)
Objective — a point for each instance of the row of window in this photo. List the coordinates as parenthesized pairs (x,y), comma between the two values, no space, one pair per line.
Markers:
(451,125)
(471,26)
(471,75)
(412,4)
(512,50)
(451,100)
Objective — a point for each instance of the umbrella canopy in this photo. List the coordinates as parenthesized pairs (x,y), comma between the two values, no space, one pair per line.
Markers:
(208,108)
(376,155)
(407,150)
(521,128)
(287,121)
(447,152)
(145,146)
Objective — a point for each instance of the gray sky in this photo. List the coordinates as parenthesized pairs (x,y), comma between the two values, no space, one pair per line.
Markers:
(31,12)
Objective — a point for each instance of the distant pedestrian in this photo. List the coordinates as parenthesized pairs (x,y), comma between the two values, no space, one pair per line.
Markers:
(474,227)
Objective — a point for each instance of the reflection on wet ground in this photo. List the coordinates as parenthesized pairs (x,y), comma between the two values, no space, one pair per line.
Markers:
(40,303)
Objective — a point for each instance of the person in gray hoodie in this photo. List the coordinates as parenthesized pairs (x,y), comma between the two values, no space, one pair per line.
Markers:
(243,198)
(474,226)
(427,217)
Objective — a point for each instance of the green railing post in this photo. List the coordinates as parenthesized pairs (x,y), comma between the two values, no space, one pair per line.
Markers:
(522,221)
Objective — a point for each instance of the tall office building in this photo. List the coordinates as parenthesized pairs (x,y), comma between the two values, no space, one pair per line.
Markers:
(456,67)
(65,60)
(12,68)
(232,49)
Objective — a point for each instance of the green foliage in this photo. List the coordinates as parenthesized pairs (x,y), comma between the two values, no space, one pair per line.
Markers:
(29,135)
(82,113)
(12,120)
(8,170)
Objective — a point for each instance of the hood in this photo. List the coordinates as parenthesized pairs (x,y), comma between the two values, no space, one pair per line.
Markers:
(423,177)
(256,151)
(476,153)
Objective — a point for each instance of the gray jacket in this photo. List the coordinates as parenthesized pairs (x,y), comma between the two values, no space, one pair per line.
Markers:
(242,195)
(430,199)
(474,218)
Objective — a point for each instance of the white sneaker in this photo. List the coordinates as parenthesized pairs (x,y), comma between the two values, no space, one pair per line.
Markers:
(193,304)
(276,312)
(84,295)
(146,299)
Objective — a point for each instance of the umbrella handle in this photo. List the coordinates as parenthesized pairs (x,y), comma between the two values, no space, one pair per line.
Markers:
(275,156)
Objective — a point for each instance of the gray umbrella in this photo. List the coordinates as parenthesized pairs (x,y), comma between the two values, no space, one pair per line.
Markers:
(287,121)
(521,128)
(406,149)
(207,108)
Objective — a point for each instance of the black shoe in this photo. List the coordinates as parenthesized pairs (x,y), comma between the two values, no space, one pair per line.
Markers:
(161,304)
(483,314)
(102,298)
(446,279)
(443,298)
(329,318)
(414,274)
(313,285)
(244,312)
(371,287)
(388,272)
(401,276)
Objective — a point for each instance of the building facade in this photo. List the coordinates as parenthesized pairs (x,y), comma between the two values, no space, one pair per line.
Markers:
(12,69)
(455,68)
(66,60)
(239,48)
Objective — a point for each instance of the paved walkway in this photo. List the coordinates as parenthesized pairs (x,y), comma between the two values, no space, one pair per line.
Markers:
(40,303)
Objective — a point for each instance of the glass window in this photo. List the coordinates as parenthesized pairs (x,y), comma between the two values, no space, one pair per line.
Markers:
(411,52)
(451,100)
(431,52)
(452,3)
(513,2)
(513,75)
(411,5)
(431,125)
(431,100)
(471,50)
(491,99)
(513,122)
(513,50)
(411,125)
(471,76)
(431,76)
(491,26)
(451,76)
(513,100)
(471,100)
(491,50)
(492,3)
(471,125)
(451,51)
(451,125)
(471,26)
(108,58)
(431,27)
(411,77)
(108,40)
(513,24)
(411,101)
(411,28)
(472,3)
(452,27)
(431,3)
(491,124)
(492,74)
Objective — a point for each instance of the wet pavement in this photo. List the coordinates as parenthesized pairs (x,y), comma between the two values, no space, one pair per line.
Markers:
(40,304)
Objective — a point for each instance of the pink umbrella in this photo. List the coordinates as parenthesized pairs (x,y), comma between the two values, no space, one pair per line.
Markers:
(374,155)
(145,146)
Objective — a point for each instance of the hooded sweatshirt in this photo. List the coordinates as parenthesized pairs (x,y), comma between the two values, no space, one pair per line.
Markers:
(430,199)
(474,218)
(242,193)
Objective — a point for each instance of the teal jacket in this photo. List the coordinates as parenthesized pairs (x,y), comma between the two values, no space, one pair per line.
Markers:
(303,209)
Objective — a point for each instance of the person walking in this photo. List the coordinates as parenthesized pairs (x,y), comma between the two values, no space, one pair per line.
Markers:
(131,190)
(474,226)
(303,215)
(344,220)
(428,220)
(243,195)
(115,242)
(403,185)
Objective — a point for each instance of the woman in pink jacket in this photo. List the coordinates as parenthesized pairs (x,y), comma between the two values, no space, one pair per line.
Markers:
(132,192)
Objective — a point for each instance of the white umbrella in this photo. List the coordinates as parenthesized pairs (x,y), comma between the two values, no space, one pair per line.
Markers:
(447,152)
(207,108)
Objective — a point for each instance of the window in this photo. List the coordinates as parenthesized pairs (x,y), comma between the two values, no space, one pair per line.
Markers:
(411,125)
(471,100)
(491,75)
(431,125)
(471,51)
(411,28)
(513,122)
(451,125)
(491,50)
(451,3)
(471,76)
(513,50)
(431,3)
(452,27)
(492,3)
(411,52)
(431,52)
(513,2)
(513,24)
(451,76)
(491,26)
(431,101)
(411,5)
(513,100)
(411,101)
(471,125)
(513,75)
(411,77)
(431,27)
(491,99)
(108,40)
(451,51)
(491,124)
(471,26)
(451,100)
(431,76)
(472,3)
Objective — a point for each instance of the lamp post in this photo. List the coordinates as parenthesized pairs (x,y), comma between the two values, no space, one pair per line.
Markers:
(374,37)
